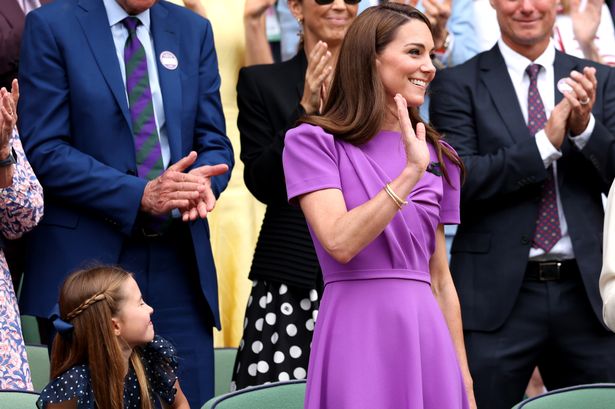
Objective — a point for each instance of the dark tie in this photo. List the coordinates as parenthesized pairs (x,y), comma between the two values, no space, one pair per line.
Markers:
(145,132)
(548,230)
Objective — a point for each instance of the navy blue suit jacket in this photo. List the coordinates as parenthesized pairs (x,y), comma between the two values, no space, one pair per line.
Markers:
(476,108)
(76,129)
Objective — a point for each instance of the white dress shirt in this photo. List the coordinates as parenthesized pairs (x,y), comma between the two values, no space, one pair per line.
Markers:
(516,65)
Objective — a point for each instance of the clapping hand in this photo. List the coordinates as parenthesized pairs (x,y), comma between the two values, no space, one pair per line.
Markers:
(438,12)
(8,116)
(254,9)
(206,201)
(581,99)
(317,76)
(585,22)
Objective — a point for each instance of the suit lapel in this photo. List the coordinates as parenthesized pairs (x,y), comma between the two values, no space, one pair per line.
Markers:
(561,67)
(95,25)
(166,40)
(499,86)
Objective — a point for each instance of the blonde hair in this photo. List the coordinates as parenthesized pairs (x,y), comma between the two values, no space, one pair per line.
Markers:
(89,299)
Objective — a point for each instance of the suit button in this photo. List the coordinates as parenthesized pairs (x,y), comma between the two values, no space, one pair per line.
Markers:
(525,240)
(131,172)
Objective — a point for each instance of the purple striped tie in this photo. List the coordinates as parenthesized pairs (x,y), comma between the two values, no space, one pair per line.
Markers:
(548,231)
(144,129)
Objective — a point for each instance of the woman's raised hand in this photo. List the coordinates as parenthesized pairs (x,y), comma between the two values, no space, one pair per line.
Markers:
(415,143)
(319,70)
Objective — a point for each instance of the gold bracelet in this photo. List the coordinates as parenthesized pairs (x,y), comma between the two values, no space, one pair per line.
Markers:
(398,201)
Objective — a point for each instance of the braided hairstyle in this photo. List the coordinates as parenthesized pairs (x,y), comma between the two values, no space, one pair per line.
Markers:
(89,299)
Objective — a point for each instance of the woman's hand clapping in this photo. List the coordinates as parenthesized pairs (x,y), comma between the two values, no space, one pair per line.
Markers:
(317,78)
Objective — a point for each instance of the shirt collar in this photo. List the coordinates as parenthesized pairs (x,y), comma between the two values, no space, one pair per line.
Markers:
(115,14)
(518,63)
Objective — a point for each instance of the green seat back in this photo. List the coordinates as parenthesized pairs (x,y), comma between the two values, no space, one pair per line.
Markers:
(18,400)
(595,396)
(278,395)
(29,328)
(38,358)
(224,361)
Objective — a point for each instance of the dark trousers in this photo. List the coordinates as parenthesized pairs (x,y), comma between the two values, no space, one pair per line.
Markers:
(552,326)
(165,269)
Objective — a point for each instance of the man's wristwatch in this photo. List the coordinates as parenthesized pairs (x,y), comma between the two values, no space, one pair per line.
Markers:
(9,160)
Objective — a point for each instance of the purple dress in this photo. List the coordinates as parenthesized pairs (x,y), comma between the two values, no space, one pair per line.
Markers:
(381,340)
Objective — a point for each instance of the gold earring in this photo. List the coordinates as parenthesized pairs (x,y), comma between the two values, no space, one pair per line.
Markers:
(300,32)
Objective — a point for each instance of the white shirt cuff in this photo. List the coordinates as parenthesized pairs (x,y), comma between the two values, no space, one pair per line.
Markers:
(548,152)
(582,139)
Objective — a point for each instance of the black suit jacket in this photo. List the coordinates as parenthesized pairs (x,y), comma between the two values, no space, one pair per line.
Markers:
(268,98)
(475,106)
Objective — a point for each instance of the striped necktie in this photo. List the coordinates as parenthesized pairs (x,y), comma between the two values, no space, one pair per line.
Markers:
(548,231)
(144,129)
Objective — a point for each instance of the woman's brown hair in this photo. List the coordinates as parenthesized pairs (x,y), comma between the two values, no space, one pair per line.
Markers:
(356,105)
(89,299)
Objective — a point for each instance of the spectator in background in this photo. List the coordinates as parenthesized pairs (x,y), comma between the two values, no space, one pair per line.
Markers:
(526,258)
(122,120)
(21,207)
(453,23)
(282,307)
(240,36)
(585,29)
(12,18)
(582,28)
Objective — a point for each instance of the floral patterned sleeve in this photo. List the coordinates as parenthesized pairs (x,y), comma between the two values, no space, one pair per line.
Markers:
(21,204)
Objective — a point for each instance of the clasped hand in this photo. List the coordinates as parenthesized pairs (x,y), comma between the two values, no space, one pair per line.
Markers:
(572,113)
(190,192)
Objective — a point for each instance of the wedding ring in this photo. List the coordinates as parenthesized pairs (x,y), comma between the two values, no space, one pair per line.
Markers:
(584,101)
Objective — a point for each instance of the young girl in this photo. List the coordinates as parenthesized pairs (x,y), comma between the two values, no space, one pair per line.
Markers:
(106,355)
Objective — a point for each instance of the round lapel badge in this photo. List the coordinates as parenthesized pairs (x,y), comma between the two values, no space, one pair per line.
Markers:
(168,60)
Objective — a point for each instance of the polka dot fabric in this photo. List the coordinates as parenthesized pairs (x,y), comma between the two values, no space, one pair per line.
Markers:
(159,359)
(277,335)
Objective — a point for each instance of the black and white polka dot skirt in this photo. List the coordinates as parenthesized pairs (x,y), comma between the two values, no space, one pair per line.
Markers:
(277,334)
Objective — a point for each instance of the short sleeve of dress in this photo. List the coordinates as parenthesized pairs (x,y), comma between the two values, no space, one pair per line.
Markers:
(310,161)
(451,192)
(73,384)
(159,358)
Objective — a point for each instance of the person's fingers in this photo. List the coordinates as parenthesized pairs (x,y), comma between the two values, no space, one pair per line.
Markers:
(323,76)
(174,204)
(201,209)
(210,170)
(209,199)
(317,52)
(566,105)
(184,181)
(578,90)
(184,162)
(402,116)
(590,74)
(420,131)
(15,91)
(583,80)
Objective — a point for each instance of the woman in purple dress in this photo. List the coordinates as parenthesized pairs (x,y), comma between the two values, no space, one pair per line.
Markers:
(376,194)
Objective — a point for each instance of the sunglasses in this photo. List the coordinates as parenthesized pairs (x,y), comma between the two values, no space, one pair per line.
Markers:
(324,2)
